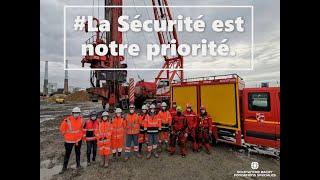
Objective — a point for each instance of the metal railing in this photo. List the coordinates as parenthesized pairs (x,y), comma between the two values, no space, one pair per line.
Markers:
(216,77)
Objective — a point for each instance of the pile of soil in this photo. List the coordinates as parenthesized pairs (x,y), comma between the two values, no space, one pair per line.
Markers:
(79,96)
(53,98)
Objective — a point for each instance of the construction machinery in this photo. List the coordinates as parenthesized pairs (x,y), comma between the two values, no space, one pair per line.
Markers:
(109,85)
(247,117)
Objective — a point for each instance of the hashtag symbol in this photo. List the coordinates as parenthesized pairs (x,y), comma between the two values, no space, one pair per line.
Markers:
(79,23)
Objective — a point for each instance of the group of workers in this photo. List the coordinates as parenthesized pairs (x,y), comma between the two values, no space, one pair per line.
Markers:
(154,126)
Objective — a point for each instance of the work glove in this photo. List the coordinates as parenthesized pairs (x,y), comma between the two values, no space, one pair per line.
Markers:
(185,134)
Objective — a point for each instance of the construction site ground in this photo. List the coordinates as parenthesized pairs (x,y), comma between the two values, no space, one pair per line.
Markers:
(224,161)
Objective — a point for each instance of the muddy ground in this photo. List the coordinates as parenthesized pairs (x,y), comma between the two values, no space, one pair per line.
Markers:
(223,163)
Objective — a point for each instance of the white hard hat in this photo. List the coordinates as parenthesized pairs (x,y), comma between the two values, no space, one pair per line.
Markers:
(152,106)
(76,110)
(144,107)
(164,104)
(105,113)
(131,106)
(118,110)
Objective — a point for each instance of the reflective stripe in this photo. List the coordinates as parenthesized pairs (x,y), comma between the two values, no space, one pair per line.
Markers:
(114,150)
(105,140)
(152,131)
(135,148)
(89,129)
(119,149)
(149,148)
(104,148)
(154,146)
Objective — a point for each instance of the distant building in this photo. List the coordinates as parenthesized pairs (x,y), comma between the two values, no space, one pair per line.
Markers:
(52,87)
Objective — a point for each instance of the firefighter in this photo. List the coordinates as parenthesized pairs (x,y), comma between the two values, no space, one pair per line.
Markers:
(192,120)
(132,128)
(117,137)
(166,119)
(173,110)
(88,136)
(152,126)
(179,132)
(142,135)
(103,134)
(204,130)
(72,130)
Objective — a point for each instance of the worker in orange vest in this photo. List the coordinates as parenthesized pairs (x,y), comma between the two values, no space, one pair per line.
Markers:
(117,138)
(132,128)
(166,119)
(88,136)
(71,129)
(142,135)
(179,132)
(192,120)
(152,126)
(173,110)
(103,134)
(204,129)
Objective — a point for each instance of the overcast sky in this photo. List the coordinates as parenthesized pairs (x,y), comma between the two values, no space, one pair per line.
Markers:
(266,40)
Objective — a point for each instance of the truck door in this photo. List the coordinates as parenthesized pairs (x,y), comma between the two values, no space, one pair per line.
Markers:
(260,116)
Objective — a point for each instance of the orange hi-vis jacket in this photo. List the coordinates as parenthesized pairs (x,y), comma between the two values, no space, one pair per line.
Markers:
(89,128)
(142,121)
(166,120)
(103,134)
(152,124)
(118,128)
(131,124)
(71,129)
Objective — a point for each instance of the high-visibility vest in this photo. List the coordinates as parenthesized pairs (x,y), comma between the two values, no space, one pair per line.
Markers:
(131,124)
(166,119)
(152,124)
(117,128)
(71,129)
(142,120)
(89,128)
(104,133)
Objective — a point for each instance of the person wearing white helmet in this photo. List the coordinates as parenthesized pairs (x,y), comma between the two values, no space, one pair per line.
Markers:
(152,127)
(117,138)
(103,134)
(166,120)
(132,129)
(72,129)
(142,135)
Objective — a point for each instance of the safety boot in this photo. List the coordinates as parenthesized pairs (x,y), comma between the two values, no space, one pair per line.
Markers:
(149,155)
(156,155)
(64,169)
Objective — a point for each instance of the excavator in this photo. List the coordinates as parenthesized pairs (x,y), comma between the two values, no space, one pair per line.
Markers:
(110,85)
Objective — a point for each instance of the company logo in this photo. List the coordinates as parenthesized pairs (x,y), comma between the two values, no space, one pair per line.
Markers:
(254,165)
(254,172)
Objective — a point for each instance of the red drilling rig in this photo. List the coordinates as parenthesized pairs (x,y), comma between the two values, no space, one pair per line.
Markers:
(108,85)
